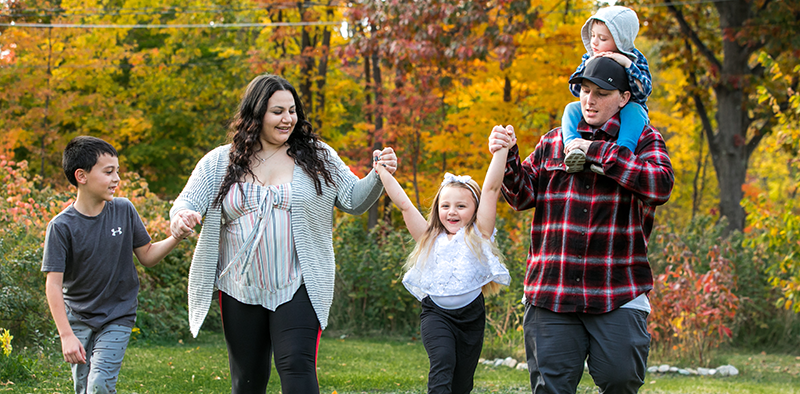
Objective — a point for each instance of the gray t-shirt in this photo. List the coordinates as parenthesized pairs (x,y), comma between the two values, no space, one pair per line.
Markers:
(96,256)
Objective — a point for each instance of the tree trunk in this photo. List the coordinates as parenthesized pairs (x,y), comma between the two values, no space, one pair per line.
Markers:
(372,213)
(377,84)
(45,120)
(729,148)
(306,66)
(729,155)
(322,73)
(507,90)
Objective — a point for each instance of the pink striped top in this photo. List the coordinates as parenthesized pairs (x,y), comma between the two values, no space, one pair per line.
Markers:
(258,262)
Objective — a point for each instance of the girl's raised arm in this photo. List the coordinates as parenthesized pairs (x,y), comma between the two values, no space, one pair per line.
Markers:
(487,209)
(415,222)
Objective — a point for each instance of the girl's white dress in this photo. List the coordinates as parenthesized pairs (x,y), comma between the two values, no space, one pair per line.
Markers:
(452,268)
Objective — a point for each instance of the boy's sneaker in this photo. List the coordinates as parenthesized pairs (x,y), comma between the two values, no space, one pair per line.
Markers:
(597,169)
(574,160)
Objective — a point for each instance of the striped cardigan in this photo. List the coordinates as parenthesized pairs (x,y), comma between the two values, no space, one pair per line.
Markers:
(312,225)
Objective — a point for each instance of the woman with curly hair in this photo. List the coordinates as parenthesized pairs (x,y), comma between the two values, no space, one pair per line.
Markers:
(266,202)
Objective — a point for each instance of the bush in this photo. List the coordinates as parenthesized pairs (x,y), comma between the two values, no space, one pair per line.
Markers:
(757,324)
(25,210)
(693,307)
(773,239)
(370,296)
(775,236)
(504,312)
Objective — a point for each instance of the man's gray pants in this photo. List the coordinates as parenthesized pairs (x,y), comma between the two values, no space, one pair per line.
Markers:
(557,344)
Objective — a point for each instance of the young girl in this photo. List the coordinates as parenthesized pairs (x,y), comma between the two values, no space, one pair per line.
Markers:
(453,264)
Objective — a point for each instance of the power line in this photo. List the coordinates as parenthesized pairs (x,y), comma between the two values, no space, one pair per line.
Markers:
(211,24)
(273,5)
(167,10)
(210,7)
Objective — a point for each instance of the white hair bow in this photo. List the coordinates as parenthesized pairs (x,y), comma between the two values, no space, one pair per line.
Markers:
(463,179)
(450,178)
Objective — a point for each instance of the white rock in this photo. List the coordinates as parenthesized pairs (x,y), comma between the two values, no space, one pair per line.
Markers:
(663,368)
(652,369)
(673,369)
(727,370)
(498,362)
(712,371)
(684,371)
(692,371)
(510,362)
(702,371)
(481,360)
(522,367)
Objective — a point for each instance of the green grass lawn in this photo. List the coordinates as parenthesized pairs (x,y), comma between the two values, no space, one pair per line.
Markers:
(387,366)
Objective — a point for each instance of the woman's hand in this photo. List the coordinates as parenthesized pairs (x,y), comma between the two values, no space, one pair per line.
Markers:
(183,223)
(385,158)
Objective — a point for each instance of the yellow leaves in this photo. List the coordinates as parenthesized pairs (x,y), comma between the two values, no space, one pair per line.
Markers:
(228,52)
(134,128)
(479,30)
(677,322)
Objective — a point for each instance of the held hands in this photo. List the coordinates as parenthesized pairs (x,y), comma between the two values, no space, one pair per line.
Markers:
(182,225)
(384,160)
(501,138)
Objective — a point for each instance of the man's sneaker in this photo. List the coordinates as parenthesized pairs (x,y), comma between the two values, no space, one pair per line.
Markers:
(597,169)
(574,160)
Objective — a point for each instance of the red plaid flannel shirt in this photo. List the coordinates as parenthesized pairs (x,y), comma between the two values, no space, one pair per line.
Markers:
(589,232)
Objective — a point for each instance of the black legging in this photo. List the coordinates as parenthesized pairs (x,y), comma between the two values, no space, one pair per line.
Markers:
(453,339)
(253,333)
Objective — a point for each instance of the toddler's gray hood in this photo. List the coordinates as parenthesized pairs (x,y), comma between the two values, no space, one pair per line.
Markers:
(623,24)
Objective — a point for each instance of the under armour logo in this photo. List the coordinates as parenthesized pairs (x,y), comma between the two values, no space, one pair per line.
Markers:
(117,231)
(611,80)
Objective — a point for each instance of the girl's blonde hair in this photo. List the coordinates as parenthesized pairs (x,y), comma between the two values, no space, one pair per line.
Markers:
(474,241)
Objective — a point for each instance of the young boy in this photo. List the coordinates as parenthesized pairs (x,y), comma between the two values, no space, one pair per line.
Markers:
(610,33)
(88,257)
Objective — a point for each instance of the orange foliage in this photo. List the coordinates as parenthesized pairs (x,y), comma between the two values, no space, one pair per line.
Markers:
(20,201)
(25,204)
(692,311)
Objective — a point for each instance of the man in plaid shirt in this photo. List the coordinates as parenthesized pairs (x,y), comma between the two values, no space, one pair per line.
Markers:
(588,276)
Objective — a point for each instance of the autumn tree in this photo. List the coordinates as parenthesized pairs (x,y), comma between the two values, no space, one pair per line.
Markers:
(159,80)
(301,48)
(58,83)
(186,81)
(426,49)
(723,48)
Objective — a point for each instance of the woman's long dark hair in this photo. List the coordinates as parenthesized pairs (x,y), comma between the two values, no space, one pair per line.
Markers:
(246,127)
